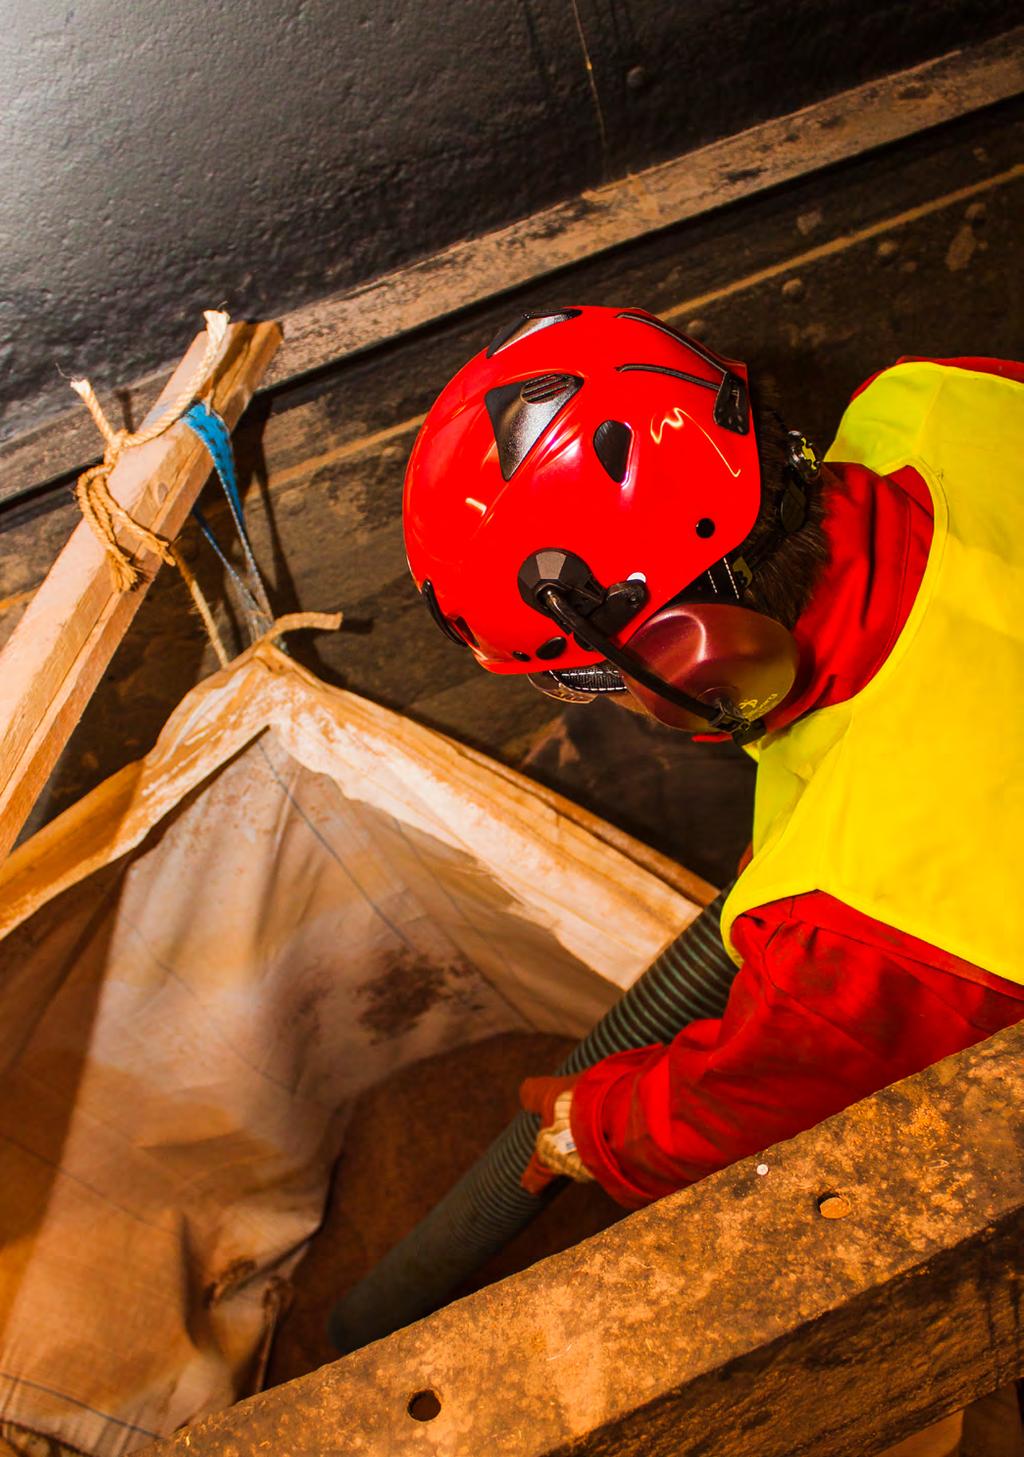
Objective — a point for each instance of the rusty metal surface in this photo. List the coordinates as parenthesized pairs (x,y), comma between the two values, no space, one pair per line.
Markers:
(729,1318)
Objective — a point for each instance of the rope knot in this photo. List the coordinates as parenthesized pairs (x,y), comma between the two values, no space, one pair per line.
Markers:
(92,492)
(115,445)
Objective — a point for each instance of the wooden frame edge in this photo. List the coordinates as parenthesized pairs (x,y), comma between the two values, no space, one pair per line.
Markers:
(783,149)
(731,1318)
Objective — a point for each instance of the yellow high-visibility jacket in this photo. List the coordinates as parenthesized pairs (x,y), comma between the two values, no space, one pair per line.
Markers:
(906,801)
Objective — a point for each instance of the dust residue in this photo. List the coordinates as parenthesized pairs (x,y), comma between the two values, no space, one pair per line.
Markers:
(407,988)
(961,249)
(304,1014)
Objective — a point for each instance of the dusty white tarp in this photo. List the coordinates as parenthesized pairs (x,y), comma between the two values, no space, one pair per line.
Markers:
(202,963)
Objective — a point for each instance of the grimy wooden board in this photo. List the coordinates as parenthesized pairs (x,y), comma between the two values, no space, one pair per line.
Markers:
(843,126)
(736,1318)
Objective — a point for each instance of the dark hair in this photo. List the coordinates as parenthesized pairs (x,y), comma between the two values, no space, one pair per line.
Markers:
(784,581)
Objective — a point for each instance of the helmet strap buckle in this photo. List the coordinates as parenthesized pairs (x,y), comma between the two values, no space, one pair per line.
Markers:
(802,459)
(608,608)
(803,469)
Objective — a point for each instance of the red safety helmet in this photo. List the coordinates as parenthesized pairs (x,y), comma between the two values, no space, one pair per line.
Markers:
(576,496)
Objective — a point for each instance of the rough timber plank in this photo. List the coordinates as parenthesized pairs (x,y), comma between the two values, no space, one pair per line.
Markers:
(801,143)
(729,1319)
(57,653)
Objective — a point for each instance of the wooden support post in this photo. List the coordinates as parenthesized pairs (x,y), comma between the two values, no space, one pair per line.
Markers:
(52,662)
(829,1296)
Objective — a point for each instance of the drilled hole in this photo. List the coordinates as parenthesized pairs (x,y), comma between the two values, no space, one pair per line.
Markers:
(424,1406)
(553,648)
(833,1205)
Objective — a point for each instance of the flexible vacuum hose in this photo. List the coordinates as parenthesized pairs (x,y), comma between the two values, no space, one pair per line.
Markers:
(488,1206)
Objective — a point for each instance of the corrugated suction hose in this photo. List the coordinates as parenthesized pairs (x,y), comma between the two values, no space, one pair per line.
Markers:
(488,1206)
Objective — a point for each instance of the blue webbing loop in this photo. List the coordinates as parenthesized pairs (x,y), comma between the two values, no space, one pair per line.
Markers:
(212,431)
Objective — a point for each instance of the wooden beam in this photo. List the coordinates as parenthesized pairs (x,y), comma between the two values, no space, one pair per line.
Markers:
(54,658)
(734,1318)
(781,150)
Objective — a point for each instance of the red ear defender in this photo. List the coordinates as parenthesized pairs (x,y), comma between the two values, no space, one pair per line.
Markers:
(715,652)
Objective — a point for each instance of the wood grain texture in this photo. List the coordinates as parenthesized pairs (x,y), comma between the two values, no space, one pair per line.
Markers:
(799,144)
(53,660)
(728,1319)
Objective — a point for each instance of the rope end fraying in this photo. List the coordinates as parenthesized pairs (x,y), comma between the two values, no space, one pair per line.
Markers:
(217,321)
(84,390)
(298,622)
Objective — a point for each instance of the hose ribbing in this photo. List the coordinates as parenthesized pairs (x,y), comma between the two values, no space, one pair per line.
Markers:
(488,1206)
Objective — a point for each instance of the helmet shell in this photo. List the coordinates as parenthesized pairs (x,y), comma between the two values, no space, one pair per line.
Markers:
(519,454)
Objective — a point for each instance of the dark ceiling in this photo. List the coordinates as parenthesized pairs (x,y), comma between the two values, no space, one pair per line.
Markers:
(162,159)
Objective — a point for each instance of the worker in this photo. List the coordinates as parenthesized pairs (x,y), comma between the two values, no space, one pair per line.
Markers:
(610,507)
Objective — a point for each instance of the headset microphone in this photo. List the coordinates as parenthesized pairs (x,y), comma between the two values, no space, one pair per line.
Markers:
(741,661)
(721,716)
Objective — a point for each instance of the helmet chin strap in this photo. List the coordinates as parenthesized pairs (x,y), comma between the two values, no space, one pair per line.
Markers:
(721,717)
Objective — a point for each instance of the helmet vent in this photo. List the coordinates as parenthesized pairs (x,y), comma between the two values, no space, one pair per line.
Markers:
(612,440)
(690,343)
(527,324)
(593,678)
(732,405)
(545,387)
(521,412)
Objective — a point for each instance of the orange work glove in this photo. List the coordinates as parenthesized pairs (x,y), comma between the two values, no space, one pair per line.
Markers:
(555,1151)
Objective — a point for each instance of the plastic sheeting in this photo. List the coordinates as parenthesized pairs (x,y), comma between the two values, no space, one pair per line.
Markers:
(202,963)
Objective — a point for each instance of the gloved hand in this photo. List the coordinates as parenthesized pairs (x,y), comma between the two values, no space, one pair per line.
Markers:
(555,1151)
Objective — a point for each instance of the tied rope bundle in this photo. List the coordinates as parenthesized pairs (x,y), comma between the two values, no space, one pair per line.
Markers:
(92,491)
(104,514)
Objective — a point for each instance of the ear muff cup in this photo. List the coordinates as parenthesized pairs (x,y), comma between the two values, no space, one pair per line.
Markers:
(714,651)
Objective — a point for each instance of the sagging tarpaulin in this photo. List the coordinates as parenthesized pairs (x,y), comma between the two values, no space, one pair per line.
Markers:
(203,962)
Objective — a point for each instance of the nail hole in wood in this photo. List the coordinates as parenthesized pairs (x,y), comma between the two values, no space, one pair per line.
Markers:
(833,1206)
(424,1406)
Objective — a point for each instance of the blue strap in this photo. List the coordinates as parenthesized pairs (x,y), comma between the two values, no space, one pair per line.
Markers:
(214,434)
(244,590)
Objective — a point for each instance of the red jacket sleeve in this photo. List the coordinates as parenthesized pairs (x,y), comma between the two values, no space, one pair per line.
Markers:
(815,1021)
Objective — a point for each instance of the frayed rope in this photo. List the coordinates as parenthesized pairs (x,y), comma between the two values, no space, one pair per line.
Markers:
(104,514)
